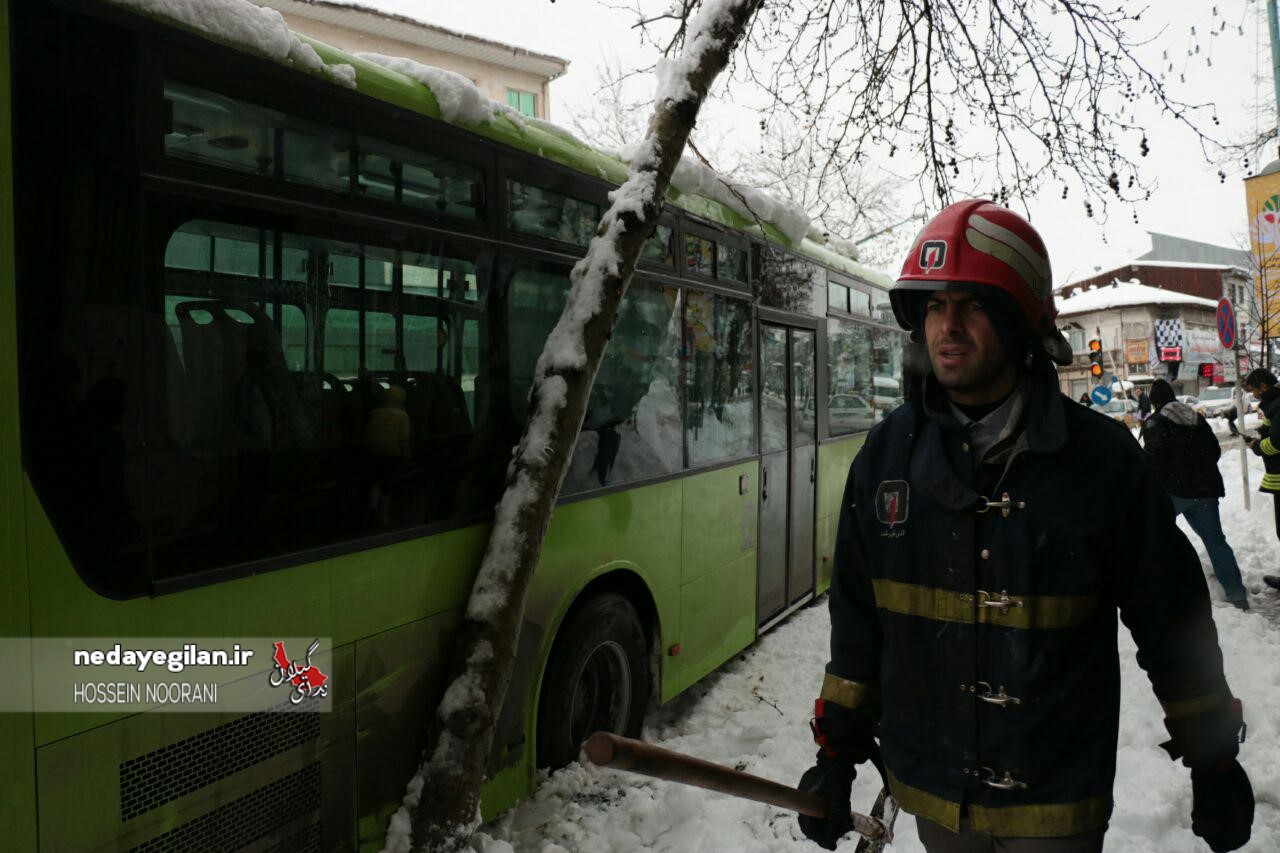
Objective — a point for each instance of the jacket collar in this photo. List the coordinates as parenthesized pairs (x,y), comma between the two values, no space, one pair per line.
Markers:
(1038,425)
(1038,412)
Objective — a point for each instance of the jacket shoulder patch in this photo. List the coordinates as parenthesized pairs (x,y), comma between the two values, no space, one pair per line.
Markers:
(893,501)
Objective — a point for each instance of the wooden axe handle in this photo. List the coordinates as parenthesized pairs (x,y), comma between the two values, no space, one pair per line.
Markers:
(623,753)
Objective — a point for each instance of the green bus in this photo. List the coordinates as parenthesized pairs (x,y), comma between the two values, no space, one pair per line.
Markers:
(266,342)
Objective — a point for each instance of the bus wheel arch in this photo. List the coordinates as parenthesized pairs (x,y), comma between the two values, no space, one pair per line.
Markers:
(602,669)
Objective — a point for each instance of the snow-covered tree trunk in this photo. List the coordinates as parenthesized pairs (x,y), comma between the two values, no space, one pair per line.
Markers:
(441,807)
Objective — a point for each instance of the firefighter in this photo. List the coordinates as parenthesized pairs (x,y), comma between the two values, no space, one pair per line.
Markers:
(989,534)
(1261,383)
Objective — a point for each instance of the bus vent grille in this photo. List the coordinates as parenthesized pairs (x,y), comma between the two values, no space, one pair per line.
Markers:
(248,819)
(163,775)
(307,841)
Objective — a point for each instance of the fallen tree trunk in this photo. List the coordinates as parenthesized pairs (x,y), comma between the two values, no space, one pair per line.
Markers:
(441,806)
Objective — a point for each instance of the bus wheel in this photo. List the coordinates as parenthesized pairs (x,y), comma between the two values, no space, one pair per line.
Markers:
(597,680)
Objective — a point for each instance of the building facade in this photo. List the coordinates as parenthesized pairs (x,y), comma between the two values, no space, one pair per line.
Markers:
(1146,332)
(508,74)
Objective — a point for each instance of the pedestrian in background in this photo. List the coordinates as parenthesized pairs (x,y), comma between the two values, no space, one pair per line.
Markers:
(1085,401)
(1261,384)
(1144,405)
(1183,452)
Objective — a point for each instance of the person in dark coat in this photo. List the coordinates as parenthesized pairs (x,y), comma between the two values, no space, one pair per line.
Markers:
(1183,454)
(1262,384)
(1144,405)
(1086,401)
(989,533)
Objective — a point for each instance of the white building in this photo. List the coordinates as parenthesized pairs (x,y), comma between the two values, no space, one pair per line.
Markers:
(1138,324)
(508,74)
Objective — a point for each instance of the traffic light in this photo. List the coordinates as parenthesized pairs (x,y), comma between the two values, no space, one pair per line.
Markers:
(1095,357)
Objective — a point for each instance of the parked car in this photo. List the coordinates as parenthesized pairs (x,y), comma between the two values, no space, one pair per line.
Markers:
(1193,402)
(850,412)
(1125,411)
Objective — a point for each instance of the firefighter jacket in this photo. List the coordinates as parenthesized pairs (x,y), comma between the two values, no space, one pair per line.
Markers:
(973,611)
(1269,447)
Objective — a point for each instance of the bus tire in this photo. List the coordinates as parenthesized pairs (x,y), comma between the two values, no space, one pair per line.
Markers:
(597,679)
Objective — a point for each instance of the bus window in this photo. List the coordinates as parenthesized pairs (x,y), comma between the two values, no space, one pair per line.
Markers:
(380,349)
(699,255)
(790,283)
(837,296)
(849,387)
(631,428)
(293,335)
(718,357)
(419,180)
(859,302)
(545,213)
(731,263)
(426,342)
(211,128)
(657,249)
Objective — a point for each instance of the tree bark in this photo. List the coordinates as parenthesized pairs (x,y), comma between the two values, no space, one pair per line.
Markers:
(444,797)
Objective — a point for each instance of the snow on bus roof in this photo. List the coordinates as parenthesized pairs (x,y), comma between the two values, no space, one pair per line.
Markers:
(695,187)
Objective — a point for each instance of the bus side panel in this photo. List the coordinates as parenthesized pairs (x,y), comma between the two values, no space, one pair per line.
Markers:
(718,577)
(637,531)
(17,756)
(834,459)
(174,780)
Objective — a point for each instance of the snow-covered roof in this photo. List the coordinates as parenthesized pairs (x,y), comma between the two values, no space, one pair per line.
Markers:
(1191,265)
(1125,294)
(359,17)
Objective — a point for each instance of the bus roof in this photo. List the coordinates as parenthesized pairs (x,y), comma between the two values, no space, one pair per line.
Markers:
(242,25)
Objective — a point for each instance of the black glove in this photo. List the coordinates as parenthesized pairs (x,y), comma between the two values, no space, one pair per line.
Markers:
(1221,806)
(832,780)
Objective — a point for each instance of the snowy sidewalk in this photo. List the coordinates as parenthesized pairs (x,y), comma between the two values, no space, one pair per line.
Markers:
(754,715)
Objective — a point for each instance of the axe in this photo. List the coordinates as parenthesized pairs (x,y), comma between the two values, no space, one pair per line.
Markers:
(621,753)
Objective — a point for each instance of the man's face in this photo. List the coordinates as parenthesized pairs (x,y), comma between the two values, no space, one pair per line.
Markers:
(1255,390)
(963,346)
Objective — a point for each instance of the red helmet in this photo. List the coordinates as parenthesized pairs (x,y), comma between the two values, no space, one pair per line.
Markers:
(978,242)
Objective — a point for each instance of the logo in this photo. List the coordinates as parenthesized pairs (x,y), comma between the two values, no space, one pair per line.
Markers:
(307,680)
(892,504)
(933,254)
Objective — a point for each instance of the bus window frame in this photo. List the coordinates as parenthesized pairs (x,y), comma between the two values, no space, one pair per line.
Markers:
(264,83)
(521,166)
(668,220)
(854,285)
(695,227)
(164,212)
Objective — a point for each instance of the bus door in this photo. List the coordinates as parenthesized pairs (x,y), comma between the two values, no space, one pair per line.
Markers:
(788,471)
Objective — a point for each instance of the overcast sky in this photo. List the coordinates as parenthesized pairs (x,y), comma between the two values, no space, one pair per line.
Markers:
(1190,199)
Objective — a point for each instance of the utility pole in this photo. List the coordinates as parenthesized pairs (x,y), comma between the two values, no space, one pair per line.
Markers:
(1273,24)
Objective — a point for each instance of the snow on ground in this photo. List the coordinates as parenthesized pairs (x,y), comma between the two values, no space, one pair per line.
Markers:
(754,713)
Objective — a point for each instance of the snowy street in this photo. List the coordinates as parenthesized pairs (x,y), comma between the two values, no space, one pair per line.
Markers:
(754,715)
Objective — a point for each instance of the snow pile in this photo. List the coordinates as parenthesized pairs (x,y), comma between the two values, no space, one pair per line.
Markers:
(241,23)
(460,100)
(692,176)
(841,246)
(754,713)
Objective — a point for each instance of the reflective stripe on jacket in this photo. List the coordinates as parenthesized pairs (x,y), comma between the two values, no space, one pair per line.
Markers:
(973,611)
(1269,447)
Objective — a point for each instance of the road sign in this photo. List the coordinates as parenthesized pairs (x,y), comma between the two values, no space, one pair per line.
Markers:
(1226,324)
(1100,395)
